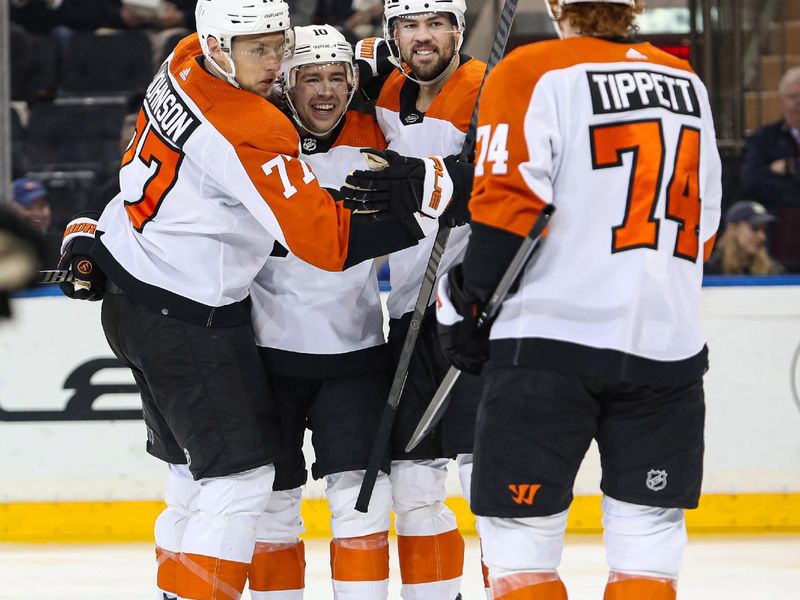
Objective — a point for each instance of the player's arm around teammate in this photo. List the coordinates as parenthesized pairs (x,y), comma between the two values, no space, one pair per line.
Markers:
(210,181)
(602,339)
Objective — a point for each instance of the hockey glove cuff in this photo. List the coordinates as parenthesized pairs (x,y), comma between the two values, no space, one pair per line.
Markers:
(457,310)
(88,282)
(372,58)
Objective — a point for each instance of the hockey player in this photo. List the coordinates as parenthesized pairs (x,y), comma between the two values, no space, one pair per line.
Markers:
(424,108)
(602,339)
(321,340)
(210,182)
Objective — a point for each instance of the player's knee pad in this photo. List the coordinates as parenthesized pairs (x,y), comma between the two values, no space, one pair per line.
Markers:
(418,494)
(228,509)
(522,545)
(464,462)
(281,521)
(643,540)
(342,490)
(180,496)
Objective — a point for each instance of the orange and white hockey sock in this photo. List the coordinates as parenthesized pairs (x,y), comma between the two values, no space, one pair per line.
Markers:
(486,586)
(167,574)
(431,565)
(210,578)
(529,586)
(278,571)
(360,567)
(622,586)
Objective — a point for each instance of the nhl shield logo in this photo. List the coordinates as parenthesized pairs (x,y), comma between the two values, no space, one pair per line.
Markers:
(309,144)
(656,480)
(188,457)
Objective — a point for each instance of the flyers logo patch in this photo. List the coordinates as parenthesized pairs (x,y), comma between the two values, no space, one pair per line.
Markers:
(84,267)
(524,493)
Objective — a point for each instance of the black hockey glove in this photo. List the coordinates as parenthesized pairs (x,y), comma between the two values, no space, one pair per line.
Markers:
(398,185)
(87,281)
(457,310)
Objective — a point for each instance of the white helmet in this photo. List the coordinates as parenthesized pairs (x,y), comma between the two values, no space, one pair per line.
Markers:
(402,8)
(318,45)
(225,19)
(565,2)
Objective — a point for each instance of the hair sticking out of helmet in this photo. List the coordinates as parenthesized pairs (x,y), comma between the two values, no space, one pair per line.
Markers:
(317,45)
(394,9)
(604,25)
(225,19)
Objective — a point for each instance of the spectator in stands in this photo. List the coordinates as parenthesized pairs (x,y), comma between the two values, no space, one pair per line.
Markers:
(741,250)
(771,171)
(31,206)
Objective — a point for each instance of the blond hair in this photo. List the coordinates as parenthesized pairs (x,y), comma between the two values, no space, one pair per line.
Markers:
(734,261)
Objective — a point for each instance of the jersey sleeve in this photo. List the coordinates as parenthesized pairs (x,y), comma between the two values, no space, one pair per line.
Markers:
(517,137)
(281,191)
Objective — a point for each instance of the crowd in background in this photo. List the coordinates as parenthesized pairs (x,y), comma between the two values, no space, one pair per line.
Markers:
(79,68)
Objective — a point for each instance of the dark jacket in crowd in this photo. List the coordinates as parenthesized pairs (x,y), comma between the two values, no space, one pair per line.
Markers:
(766,145)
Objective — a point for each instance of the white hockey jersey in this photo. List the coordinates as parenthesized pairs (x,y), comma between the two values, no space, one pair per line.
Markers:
(210,181)
(438,132)
(300,308)
(620,138)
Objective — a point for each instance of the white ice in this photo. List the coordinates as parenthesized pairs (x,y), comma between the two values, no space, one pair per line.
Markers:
(725,567)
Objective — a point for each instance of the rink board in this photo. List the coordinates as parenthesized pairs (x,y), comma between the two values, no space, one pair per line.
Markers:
(73,467)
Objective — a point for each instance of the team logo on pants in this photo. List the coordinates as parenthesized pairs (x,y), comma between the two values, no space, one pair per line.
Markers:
(656,480)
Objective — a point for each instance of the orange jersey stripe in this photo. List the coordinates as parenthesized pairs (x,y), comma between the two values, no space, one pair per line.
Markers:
(360,559)
(708,247)
(429,558)
(210,578)
(278,567)
(315,227)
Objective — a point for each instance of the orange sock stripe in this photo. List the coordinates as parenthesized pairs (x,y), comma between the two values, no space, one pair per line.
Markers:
(360,559)
(485,570)
(529,586)
(167,576)
(640,588)
(429,558)
(210,578)
(278,567)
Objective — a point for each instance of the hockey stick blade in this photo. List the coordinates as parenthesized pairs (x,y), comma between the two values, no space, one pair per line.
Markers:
(433,414)
(382,440)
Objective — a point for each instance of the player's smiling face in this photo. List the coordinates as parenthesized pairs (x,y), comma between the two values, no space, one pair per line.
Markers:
(320,95)
(258,59)
(427,43)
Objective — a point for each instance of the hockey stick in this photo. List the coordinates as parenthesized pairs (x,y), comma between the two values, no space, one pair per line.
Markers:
(436,408)
(382,438)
